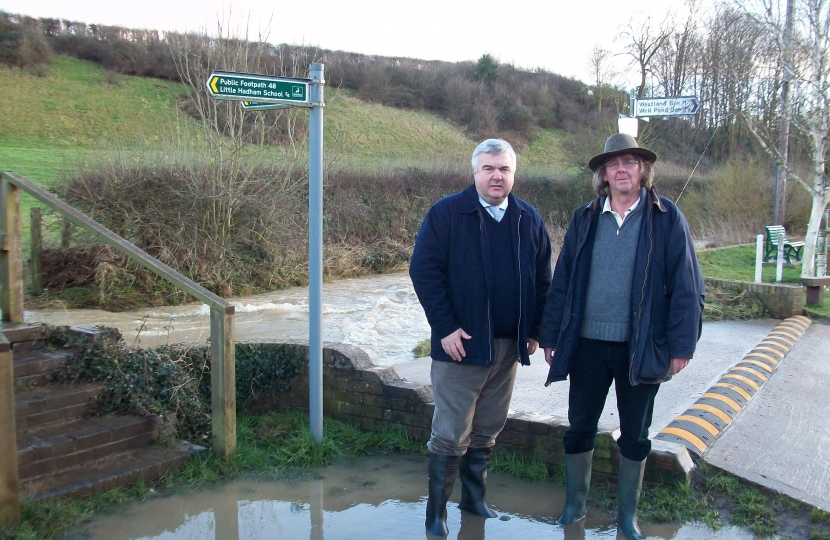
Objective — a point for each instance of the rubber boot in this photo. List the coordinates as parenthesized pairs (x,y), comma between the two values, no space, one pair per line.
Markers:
(442,472)
(577,482)
(473,472)
(630,485)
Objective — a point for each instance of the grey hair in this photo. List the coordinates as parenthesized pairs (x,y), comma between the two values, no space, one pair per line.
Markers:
(493,147)
(646,177)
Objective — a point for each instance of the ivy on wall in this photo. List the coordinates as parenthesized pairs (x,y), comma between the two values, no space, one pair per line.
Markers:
(170,383)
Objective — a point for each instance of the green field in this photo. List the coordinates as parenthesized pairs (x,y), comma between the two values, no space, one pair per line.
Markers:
(51,123)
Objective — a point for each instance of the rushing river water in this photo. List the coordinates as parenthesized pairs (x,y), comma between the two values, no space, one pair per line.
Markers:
(380,314)
(369,498)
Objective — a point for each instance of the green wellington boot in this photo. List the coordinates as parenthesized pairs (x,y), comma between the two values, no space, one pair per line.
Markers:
(630,485)
(442,472)
(577,482)
(473,473)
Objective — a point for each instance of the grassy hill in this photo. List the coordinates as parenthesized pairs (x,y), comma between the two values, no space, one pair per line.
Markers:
(52,122)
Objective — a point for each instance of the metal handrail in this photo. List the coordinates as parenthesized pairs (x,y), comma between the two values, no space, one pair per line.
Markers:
(223,378)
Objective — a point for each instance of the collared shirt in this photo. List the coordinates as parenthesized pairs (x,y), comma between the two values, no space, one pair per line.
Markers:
(619,219)
(497,211)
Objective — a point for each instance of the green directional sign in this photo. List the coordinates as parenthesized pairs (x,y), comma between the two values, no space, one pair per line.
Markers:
(253,87)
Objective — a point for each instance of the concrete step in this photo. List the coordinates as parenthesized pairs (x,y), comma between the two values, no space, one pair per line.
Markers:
(54,403)
(64,445)
(32,368)
(119,470)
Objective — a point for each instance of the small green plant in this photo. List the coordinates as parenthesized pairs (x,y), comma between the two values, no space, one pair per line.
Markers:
(523,468)
(820,516)
(421,349)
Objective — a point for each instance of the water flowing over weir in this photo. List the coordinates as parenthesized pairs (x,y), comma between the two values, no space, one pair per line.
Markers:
(380,314)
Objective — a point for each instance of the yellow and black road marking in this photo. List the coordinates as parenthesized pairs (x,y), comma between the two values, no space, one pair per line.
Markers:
(705,420)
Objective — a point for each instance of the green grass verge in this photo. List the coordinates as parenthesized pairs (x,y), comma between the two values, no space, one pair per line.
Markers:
(80,104)
(269,445)
(738,264)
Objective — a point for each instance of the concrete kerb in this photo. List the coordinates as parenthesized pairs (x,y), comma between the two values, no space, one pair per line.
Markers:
(704,421)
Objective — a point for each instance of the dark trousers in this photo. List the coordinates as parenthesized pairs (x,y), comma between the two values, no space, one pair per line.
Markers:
(597,364)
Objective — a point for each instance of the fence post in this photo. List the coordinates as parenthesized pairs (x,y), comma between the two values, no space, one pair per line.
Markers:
(779,260)
(66,234)
(759,257)
(222,382)
(36,251)
(11,255)
(9,494)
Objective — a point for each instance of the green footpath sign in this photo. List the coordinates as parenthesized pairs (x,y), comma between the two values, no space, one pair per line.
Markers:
(259,88)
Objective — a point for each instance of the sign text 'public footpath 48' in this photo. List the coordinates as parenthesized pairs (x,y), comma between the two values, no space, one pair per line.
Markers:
(666,106)
(259,88)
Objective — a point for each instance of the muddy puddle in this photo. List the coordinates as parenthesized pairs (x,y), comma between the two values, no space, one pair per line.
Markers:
(375,498)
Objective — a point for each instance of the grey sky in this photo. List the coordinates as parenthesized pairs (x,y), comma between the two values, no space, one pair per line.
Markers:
(554,35)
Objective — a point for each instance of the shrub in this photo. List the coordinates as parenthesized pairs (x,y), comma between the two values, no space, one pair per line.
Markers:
(21,46)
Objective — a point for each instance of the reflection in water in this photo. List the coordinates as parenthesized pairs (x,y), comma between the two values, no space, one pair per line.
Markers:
(369,498)
(379,314)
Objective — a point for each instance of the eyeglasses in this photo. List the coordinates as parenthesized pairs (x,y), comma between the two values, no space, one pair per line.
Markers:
(628,164)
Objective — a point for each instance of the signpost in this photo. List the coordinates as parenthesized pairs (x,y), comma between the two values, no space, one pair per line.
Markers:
(666,106)
(264,106)
(258,92)
(259,88)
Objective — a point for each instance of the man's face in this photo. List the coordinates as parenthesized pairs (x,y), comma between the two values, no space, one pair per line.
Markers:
(494,177)
(623,174)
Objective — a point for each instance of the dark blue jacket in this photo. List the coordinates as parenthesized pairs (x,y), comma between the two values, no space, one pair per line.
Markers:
(666,297)
(451,269)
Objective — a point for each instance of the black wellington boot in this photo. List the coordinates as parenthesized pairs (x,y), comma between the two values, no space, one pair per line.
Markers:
(442,472)
(630,485)
(473,472)
(577,483)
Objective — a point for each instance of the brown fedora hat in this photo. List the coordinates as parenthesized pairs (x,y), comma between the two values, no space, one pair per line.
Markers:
(620,143)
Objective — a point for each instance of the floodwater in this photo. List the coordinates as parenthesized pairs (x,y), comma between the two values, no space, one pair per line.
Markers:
(380,314)
(368,498)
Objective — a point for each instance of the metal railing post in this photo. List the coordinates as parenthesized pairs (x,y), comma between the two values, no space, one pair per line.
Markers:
(223,382)
(11,255)
(9,486)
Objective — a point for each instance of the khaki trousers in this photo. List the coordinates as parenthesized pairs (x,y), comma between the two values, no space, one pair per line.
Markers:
(471,402)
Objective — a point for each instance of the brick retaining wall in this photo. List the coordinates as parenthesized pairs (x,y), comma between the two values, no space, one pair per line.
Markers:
(782,301)
(363,394)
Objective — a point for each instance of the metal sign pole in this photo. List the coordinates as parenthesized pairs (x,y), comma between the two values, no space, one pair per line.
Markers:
(315,253)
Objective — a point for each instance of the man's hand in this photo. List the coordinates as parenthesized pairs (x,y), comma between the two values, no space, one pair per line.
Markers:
(453,345)
(548,354)
(677,364)
(532,345)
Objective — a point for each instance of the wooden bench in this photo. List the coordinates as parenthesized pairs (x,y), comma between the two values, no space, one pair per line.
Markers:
(815,289)
(792,250)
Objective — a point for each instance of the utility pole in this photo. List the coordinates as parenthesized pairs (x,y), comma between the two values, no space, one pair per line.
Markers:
(779,207)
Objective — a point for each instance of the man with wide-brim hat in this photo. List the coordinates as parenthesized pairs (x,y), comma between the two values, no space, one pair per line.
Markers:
(625,306)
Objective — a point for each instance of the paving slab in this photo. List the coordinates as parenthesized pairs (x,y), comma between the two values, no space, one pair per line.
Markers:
(781,439)
(721,345)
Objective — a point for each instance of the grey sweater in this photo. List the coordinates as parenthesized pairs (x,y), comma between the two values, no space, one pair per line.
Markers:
(608,300)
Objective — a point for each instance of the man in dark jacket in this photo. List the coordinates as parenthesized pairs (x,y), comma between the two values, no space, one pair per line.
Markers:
(625,305)
(481,270)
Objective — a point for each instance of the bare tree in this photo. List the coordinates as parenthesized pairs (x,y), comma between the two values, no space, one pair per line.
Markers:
(675,61)
(808,68)
(603,71)
(642,40)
